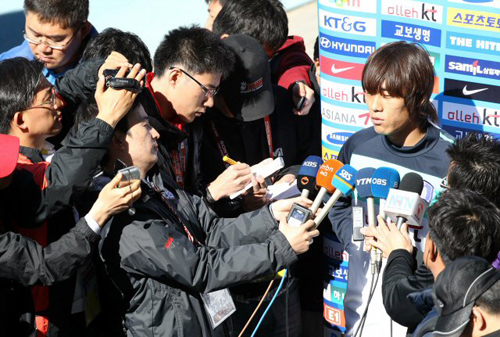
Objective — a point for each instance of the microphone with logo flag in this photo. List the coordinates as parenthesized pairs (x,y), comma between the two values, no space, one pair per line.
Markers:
(364,187)
(405,204)
(383,179)
(380,182)
(343,181)
(324,180)
(306,178)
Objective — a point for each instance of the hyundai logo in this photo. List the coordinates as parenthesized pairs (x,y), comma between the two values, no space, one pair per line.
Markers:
(325,43)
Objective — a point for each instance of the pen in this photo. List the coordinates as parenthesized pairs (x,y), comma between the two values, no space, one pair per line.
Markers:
(229,160)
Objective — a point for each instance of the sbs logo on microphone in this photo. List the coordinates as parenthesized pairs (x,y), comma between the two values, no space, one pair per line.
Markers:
(346,175)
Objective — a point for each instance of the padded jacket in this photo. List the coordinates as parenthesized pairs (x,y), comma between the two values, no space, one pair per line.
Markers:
(160,272)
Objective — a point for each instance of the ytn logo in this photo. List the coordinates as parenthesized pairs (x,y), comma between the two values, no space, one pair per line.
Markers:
(363,181)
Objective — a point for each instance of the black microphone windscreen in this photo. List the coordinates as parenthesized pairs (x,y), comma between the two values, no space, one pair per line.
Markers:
(412,182)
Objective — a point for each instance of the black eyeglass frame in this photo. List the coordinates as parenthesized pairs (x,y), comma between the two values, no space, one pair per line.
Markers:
(208,91)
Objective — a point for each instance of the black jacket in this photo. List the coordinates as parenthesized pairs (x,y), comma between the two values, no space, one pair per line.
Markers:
(28,263)
(23,263)
(161,273)
(401,278)
(38,202)
(170,138)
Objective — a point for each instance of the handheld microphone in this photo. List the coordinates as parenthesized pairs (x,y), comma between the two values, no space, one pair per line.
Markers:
(405,204)
(383,179)
(324,180)
(343,181)
(306,178)
(364,188)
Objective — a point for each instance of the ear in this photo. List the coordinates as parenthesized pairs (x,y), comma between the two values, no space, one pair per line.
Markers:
(223,36)
(433,251)
(478,320)
(19,122)
(85,29)
(174,75)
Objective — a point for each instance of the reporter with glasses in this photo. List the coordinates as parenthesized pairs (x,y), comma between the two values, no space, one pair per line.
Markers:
(55,33)
(56,262)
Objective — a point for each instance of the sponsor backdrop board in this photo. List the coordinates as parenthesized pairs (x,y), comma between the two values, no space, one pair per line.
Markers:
(462,37)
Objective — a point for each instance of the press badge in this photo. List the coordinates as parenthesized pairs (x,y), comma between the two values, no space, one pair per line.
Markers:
(357,223)
(219,305)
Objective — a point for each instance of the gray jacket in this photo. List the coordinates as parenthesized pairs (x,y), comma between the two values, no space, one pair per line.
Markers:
(160,272)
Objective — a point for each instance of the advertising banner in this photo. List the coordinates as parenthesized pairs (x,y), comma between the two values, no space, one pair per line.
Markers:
(463,40)
(462,37)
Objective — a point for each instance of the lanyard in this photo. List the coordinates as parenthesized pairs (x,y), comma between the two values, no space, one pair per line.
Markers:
(223,149)
(177,216)
(269,136)
(179,157)
(219,141)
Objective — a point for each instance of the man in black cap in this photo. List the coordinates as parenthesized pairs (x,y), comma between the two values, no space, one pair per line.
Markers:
(247,125)
(467,297)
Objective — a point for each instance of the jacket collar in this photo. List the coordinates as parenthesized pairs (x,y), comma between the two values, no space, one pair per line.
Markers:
(422,300)
(32,154)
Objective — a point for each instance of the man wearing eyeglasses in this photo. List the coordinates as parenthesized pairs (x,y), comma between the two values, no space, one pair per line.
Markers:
(189,64)
(30,110)
(55,33)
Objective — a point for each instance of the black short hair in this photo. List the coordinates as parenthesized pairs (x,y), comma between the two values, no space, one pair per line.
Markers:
(196,49)
(475,165)
(88,110)
(128,44)
(20,81)
(407,72)
(264,20)
(464,223)
(69,13)
(490,300)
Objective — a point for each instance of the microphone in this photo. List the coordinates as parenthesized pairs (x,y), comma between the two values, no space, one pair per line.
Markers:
(383,179)
(364,188)
(405,204)
(324,180)
(306,178)
(343,181)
